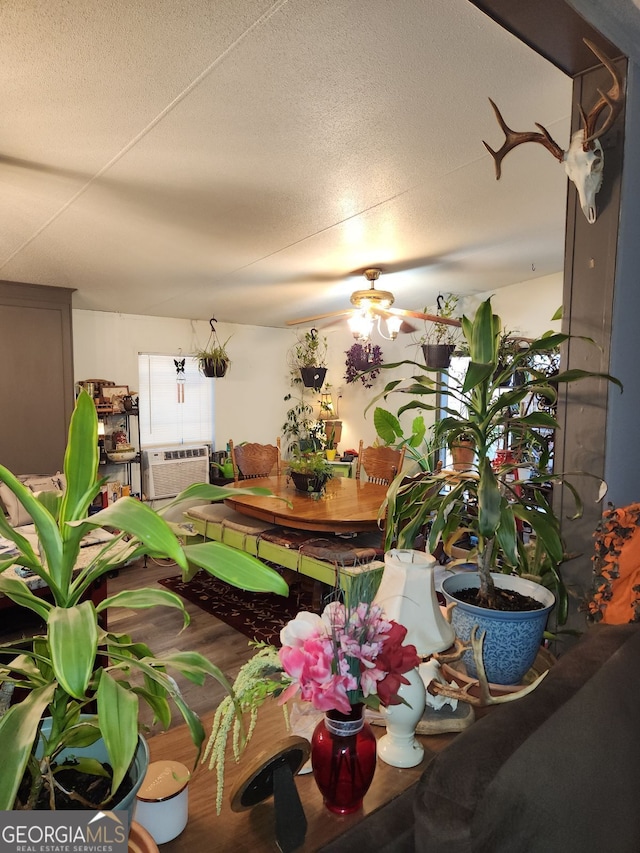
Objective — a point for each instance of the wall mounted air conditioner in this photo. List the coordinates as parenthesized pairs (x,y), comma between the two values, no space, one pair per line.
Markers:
(169,470)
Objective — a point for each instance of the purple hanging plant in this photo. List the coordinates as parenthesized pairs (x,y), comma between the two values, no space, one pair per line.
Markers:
(362,357)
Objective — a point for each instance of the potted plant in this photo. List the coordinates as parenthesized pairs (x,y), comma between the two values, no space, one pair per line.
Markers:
(310,472)
(213,360)
(489,501)
(439,339)
(463,448)
(330,443)
(363,361)
(307,358)
(76,666)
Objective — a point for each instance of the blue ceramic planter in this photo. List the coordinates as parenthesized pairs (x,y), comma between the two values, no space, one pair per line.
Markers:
(98,750)
(512,639)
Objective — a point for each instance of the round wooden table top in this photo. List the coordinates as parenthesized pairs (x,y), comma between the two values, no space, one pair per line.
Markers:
(347,505)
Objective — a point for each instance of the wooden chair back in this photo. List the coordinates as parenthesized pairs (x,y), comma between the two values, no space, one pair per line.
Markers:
(255,460)
(380,464)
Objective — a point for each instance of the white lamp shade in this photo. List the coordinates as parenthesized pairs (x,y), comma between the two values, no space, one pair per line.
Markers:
(407,594)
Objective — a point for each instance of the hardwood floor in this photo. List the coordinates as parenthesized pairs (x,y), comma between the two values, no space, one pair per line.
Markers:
(160,629)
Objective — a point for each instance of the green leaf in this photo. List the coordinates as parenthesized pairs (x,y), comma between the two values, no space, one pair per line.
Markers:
(387,426)
(83,734)
(575,375)
(207,492)
(18,731)
(143,599)
(46,527)
(118,715)
(73,639)
(476,374)
(139,520)
(19,592)
(484,335)
(83,764)
(489,500)
(81,459)
(507,533)
(235,567)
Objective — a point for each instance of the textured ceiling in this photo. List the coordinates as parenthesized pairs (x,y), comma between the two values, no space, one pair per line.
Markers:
(244,158)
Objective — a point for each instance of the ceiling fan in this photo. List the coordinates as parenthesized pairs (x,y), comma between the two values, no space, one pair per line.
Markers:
(371,306)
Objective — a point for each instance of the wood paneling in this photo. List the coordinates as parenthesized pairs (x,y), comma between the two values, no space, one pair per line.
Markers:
(552,28)
(37,376)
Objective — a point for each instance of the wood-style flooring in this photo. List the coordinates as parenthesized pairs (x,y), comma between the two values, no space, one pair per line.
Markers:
(160,629)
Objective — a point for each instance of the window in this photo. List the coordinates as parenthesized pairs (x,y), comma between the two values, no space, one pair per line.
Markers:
(164,418)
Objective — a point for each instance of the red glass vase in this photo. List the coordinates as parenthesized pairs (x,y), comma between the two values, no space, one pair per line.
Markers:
(343,758)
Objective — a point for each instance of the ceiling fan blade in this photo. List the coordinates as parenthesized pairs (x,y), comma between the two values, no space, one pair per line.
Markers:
(319,317)
(419,315)
(33,166)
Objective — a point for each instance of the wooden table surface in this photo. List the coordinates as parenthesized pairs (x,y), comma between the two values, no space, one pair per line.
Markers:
(347,506)
(252,831)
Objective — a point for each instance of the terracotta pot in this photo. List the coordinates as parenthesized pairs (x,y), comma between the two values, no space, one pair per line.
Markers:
(463,453)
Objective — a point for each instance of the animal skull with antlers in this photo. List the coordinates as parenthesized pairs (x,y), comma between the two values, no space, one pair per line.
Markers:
(584,160)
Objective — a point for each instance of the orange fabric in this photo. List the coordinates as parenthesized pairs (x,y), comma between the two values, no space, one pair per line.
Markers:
(616,599)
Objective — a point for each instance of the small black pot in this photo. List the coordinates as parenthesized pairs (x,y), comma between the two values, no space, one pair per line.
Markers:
(308,482)
(313,377)
(437,356)
(211,368)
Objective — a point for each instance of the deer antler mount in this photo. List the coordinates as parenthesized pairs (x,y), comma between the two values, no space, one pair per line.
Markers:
(584,159)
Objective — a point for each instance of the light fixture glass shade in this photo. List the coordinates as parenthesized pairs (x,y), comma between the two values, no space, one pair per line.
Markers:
(393,326)
(361,325)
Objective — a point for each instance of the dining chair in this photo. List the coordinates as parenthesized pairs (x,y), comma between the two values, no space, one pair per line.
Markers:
(380,464)
(251,460)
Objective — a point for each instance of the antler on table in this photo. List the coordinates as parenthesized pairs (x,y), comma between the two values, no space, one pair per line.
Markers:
(441,688)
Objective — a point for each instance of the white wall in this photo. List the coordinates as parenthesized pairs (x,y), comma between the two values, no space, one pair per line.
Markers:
(249,401)
(527,307)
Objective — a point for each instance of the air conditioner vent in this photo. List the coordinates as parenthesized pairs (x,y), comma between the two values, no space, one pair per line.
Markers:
(168,471)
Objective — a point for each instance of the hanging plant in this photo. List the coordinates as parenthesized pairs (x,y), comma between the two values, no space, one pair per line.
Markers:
(361,358)
(213,360)
(306,359)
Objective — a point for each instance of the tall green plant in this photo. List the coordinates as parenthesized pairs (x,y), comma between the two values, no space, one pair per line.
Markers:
(488,501)
(75,665)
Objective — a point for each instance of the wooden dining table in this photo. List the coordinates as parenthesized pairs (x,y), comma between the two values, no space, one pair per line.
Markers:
(346,506)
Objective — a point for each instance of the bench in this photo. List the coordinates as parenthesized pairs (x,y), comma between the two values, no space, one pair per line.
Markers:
(320,557)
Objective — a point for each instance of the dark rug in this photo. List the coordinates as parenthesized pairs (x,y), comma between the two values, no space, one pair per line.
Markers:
(257,615)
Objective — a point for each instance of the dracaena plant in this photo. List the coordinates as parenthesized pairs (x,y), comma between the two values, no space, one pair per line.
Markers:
(490,500)
(76,666)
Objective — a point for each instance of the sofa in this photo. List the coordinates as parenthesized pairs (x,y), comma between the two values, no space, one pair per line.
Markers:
(558,770)
(18,518)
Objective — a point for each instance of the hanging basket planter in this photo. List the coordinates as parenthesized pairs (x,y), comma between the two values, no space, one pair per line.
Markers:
(313,377)
(214,369)
(437,356)
(213,360)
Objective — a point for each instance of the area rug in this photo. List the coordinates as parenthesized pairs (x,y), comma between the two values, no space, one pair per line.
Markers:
(257,615)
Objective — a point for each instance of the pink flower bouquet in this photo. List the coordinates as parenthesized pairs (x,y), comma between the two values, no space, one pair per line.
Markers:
(345,656)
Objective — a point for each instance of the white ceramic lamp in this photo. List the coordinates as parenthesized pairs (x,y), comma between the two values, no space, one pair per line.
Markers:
(407,594)
(399,747)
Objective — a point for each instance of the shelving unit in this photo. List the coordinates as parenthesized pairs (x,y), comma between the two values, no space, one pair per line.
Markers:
(129,420)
